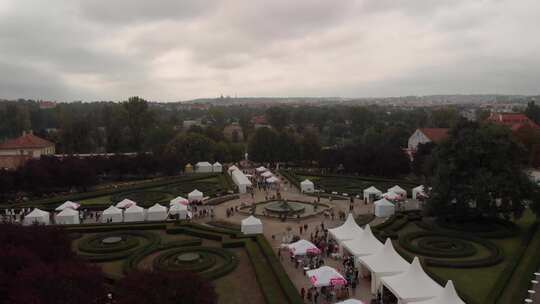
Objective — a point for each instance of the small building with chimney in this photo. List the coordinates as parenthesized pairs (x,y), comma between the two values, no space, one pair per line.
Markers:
(16,152)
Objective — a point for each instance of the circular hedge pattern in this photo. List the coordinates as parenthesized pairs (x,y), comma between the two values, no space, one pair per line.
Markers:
(483,227)
(212,262)
(144,197)
(97,248)
(451,250)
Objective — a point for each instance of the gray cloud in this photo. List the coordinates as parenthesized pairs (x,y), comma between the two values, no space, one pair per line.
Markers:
(170,50)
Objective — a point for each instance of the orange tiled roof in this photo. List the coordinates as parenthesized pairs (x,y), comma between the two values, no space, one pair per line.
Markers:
(26,141)
(435,134)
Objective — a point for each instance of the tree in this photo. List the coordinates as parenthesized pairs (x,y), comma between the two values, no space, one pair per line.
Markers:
(165,288)
(478,172)
(263,146)
(533,112)
(138,119)
(423,161)
(278,117)
(310,146)
(191,147)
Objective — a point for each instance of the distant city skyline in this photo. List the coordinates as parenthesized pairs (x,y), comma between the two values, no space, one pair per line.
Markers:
(181,50)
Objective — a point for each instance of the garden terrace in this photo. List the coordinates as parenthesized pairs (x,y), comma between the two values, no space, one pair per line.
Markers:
(221,254)
(352,185)
(484,261)
(145,194)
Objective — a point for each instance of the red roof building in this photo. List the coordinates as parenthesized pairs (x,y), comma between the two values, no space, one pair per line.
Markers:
(514,121)
(27,145)
(423,136)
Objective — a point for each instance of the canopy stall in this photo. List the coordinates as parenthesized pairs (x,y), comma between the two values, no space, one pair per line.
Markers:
(217,167)
(252,225)
(232,169)
(412,285)
(351,301)
(195,196)
(418,192)
(272,180)
(371,194)
(385,262)
(384,208)
(398,190)
(179,210)
(203,167)
(261,169)
(179,200)
(156,213)
(348,231)
(392,196)
(134,214)
(68,204)
(303,247)
(267,174)
(112,214)
(37,216)
(364,244)
(307,186)
(67,216)
(447,296)
(125,203)
(241,181)
(325,276)
(188,168)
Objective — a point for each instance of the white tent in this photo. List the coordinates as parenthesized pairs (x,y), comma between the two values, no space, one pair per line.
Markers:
(397,189)
(217,167)
(67,216)
(272,180)
(232,169)
(325,276)
(351,301)
(267,174)
(385,262)
(203,167)
(195,195)
(348,231)
(412,285)
(392,196)
(447,296)
(179,200)
(125,203)
(68,204)
(303,247)
(261,169)
(37,216)
(180,210)
(307,186)
(134,214)
(112,214)
(418,191)
(384,208)
(241,180)
(365,244)
(371,194)
(252,225)
(156,213)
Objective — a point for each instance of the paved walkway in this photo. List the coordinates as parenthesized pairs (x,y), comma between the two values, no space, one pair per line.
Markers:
(274,229)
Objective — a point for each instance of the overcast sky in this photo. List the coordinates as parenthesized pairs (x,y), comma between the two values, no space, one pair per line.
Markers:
(183,49)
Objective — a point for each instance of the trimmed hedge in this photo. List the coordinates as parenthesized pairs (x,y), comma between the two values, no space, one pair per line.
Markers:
(493,228)
(92,251)
(51,203)
(222,199)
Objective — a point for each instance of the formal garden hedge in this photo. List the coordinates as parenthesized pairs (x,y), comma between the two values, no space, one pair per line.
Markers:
(350,184)
(450,246)
(214,262)
(51,203)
